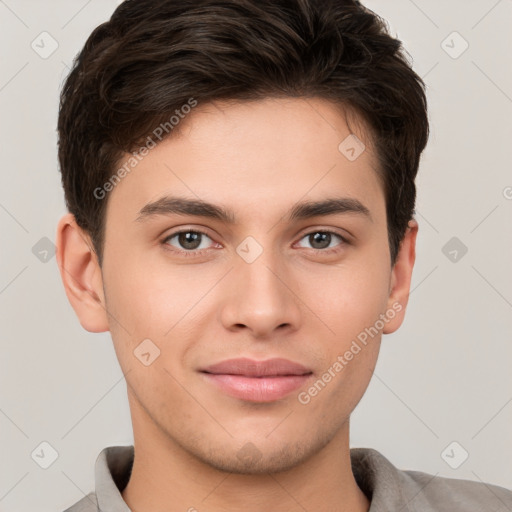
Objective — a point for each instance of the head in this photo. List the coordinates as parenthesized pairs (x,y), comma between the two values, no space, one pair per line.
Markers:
(291,119)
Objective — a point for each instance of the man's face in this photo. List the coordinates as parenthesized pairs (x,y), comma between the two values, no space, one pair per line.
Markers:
(262,286)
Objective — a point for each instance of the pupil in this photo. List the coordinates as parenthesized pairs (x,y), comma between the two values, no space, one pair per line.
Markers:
(189,240)
(323,238)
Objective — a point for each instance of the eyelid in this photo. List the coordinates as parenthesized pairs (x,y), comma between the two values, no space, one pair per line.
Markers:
(328,250)
(187,230)
(343,234)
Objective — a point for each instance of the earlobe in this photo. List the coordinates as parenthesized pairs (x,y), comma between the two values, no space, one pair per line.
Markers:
(81,275)
(401,275)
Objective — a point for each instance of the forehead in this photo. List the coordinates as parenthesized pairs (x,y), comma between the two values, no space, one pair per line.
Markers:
(255,155)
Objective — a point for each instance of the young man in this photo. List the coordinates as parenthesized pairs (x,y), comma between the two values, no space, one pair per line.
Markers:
(239,176)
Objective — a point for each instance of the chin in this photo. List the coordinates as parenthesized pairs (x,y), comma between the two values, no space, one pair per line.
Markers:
(258,458)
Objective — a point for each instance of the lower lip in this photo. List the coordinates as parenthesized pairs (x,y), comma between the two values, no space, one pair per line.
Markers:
(257,389)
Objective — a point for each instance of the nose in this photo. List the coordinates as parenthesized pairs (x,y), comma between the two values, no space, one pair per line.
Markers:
(261,297)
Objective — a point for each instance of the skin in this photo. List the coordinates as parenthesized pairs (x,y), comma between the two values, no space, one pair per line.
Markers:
(294,301)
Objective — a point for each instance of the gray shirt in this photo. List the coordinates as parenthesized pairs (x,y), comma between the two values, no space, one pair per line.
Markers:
(388,488)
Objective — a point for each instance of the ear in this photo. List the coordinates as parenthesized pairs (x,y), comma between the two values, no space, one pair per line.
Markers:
(400,282)
(81,274)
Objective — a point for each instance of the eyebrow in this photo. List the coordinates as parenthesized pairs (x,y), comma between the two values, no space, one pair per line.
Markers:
(169,205)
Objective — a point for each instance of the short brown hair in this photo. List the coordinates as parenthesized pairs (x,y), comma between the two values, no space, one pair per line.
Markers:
(152,56)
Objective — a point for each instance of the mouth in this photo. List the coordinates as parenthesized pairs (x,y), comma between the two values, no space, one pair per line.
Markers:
(257,381)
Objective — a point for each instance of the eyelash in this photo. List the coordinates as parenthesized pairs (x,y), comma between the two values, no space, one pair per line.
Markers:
(195,253)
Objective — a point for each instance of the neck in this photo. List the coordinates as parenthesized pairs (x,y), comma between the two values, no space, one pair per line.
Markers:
(166,477)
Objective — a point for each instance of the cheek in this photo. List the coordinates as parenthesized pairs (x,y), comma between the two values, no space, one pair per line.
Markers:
(148,298)
(345,299)
(168,306)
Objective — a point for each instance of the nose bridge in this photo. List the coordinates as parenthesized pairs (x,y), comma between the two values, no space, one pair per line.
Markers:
(259,279)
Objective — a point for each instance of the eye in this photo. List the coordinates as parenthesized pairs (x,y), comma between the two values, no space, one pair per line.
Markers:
(191,242)
(321,240)
(188,240)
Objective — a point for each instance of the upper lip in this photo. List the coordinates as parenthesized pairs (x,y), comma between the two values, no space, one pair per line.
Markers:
(253,368)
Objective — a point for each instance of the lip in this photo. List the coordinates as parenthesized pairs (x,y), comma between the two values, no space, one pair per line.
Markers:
(257,381)
(251,368)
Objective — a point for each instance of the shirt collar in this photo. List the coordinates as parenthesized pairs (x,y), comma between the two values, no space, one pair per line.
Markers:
(380,480)
(112,471)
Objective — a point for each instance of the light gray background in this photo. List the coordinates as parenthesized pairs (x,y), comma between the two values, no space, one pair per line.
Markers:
(444,376)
